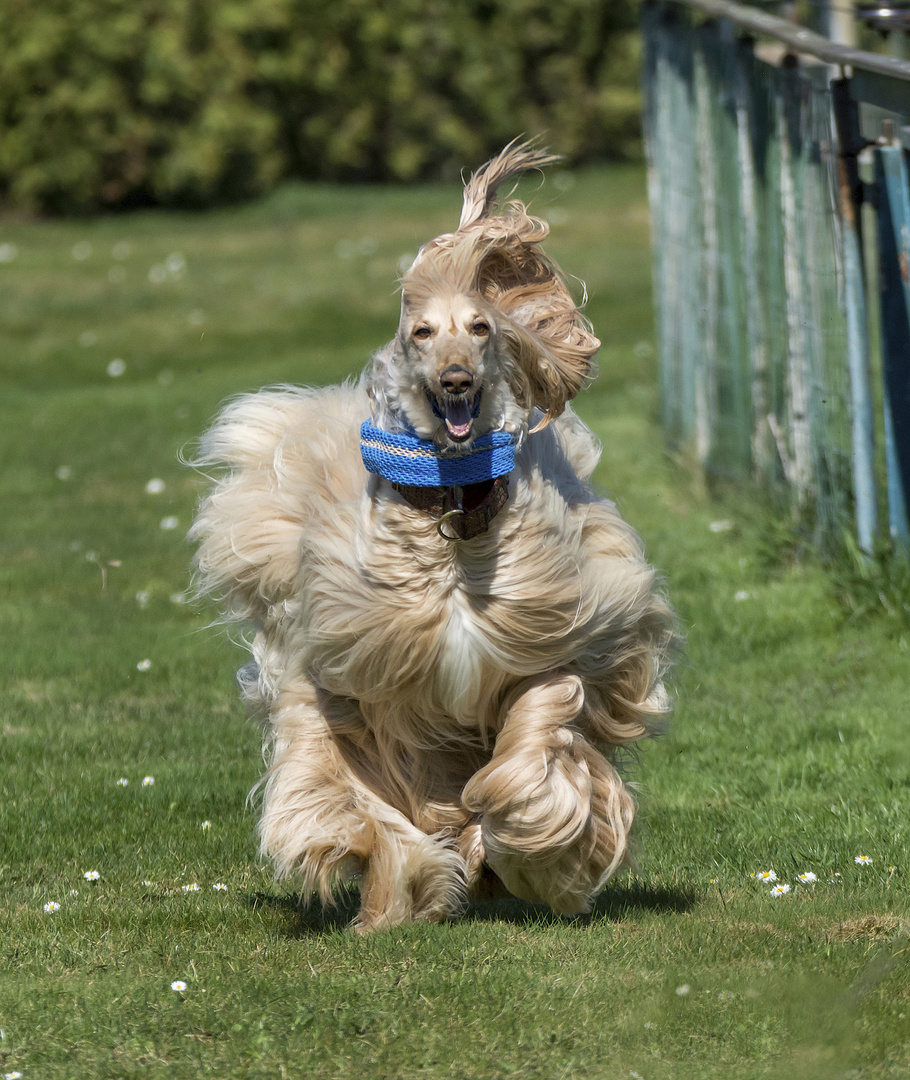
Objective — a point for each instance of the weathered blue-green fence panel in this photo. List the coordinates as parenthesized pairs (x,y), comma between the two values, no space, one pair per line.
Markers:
(894,252)
(763,340)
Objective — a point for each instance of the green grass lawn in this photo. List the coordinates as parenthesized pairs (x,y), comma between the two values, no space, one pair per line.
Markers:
(788,752)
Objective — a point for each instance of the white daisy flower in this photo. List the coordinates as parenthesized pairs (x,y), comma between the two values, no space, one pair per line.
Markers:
(766,875)
(147,781)
(178,598)
(155,486)
(219,886)
(149,884)
(74,892)
(144,665)
(179,985)
(780,890)
(808,878)
(192,887)
(116,368)
(142,599)
(206,825)
(122,782)
(863,860)
(91,875)
(12,1075)
(51,905)
(682,991)
(169,523)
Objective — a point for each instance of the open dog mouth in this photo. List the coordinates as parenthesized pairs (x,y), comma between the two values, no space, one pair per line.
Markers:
(458,414)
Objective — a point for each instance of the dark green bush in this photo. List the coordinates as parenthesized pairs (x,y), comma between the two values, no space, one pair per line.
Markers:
(186,102)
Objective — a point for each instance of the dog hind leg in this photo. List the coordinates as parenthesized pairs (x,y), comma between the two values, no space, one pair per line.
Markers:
(319,815)
(555,813)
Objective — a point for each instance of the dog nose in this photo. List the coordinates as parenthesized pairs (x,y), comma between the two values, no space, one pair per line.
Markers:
(456,380)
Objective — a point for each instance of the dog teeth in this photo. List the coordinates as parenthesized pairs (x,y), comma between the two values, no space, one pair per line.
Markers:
(458,431)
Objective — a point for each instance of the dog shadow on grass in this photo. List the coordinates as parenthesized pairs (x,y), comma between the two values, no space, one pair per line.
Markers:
(614,905)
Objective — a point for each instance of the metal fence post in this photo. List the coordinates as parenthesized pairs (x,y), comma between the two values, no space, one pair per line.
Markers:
(894,253)
(849,195)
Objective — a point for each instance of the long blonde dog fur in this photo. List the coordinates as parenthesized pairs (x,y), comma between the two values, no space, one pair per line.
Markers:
(441,716)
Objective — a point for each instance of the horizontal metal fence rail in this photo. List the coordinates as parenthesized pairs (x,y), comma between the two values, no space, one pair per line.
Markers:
(761,267)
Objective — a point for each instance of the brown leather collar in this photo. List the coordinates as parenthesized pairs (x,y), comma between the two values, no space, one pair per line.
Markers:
(461,512)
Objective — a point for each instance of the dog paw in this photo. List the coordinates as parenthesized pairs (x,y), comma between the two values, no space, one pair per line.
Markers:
(554,825)
(425,881)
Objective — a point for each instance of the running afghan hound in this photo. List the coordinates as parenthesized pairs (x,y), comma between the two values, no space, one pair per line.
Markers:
(454,635)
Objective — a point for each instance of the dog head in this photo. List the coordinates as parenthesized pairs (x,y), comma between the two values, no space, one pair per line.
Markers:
(488,332)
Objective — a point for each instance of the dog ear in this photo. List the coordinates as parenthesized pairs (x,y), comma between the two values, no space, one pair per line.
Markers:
(549,374)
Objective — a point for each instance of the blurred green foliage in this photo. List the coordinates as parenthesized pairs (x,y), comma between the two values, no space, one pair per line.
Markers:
(118,103)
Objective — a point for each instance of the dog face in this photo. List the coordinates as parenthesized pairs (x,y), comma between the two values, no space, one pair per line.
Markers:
(452,369)
(488,335)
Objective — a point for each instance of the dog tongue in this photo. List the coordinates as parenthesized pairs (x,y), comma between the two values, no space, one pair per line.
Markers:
(458,419)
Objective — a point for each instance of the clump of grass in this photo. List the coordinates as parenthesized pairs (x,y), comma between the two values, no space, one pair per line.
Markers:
(874,585)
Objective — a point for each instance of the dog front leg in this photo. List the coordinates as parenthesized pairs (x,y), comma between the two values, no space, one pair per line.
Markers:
(555,813)
(322,812)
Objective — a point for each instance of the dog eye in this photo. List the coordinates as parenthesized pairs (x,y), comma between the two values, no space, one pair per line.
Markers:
(480,328)
(423,332)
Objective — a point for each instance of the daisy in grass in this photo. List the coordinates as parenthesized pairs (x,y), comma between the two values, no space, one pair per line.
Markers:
(144,665)
(808,878)
(206,825)
(683,991)
(12,1076)
(765,875)
(220,886)
(179,985)
(192,887)
(122,782)
(51,906)
(91,875)
(863,860)
(780,890)
(147,781)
